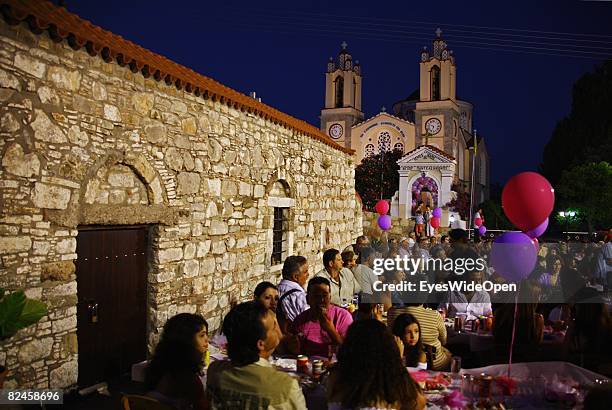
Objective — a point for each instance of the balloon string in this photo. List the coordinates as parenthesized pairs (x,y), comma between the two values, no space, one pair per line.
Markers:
(513,329)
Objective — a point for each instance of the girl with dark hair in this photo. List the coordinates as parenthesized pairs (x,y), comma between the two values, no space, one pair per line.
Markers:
(370,373)
(408,329)
(266,293)
(173,373)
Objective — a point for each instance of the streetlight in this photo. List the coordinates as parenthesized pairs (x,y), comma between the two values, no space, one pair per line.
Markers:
(566,217)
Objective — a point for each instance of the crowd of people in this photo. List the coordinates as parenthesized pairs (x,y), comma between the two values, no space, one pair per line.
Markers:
(339,317)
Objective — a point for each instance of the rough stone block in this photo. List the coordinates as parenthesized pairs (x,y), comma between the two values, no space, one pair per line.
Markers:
(57,271)
(20,164)
(188,183)
(15,244)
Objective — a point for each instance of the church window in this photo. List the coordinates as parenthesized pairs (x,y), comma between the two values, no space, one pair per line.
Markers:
(339,92)
(435,83)
(279,234)
(399,146)
(464,121)
(369,150)
(384,142)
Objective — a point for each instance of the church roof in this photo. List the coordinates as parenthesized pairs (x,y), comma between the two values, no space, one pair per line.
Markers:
(434,149)
(378,115)
(63,25)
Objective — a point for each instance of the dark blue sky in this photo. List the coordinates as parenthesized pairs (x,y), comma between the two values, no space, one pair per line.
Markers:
(280,50)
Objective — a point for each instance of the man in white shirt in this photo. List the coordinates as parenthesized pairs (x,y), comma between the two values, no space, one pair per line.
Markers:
(363,272)
(291,289)
(474,304)
(404,249)
(343,283)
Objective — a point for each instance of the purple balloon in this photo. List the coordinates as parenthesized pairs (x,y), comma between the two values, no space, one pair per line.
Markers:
(538,230)
(513,256)
(482,229)
(437,212)
(384,222)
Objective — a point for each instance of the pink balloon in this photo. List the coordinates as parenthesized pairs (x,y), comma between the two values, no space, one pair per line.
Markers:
(384,222)
(477,221)
(434,222)
(527,200)
(382,207)
(536,243)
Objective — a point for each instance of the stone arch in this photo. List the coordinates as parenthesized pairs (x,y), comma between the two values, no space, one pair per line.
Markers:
(285,180)
(138,165)
(121,211)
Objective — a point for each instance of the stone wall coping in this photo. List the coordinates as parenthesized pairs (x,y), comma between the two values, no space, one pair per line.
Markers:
(61,24)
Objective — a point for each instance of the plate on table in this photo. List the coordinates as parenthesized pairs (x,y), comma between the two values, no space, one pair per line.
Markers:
(286,365)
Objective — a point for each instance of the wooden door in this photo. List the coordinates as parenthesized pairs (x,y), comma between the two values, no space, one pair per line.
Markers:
(111,271)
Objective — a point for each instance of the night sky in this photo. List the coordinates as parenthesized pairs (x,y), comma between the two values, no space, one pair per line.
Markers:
(280,48)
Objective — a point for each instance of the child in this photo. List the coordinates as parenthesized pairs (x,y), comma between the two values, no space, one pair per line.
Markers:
(407,328)
(420,223)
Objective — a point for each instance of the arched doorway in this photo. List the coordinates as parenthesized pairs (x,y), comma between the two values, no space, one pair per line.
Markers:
(420,187)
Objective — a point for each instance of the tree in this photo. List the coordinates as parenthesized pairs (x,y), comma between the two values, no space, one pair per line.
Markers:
(376,173)
(494,215)
(585,135)
(588,188)
(461,203)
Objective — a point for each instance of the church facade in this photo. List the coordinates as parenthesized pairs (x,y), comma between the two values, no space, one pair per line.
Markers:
(432,127)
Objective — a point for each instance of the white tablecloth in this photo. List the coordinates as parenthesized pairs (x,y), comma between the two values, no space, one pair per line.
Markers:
(533,370)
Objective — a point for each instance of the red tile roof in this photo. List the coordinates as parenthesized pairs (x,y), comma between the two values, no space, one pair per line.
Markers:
(434,149)
(63,25)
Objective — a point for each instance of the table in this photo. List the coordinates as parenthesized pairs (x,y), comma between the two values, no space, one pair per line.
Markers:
(535,380)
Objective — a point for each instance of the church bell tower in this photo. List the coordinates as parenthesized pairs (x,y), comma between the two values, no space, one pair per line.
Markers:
(342,97)
(437,112)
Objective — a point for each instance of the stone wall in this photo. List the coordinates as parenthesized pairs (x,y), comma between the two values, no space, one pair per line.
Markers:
(89,142)
(399,227)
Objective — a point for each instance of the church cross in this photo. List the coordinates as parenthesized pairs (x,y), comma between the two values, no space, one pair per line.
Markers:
(438,32)
(344,45)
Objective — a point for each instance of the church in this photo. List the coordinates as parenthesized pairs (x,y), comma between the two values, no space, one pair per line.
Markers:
(432,127)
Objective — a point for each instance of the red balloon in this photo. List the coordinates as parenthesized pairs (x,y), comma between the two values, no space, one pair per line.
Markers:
(477,221)
(382,207)
(528,199)
(434,222)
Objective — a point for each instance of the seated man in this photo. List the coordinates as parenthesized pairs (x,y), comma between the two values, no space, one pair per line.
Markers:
(248,380)
(472,303)
(324,324)
(292,294)
(343,285)
(363,272)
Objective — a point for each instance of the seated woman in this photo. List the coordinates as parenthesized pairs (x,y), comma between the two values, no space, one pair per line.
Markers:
(370,373)
(433,331)
(408,329)
(267,294)
(588,337)
(529,326)
(173,373)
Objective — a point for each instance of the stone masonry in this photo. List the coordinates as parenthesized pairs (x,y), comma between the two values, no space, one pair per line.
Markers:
(86,142)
